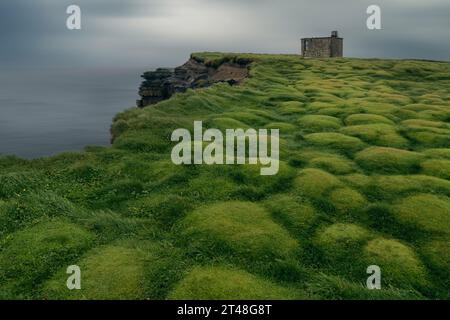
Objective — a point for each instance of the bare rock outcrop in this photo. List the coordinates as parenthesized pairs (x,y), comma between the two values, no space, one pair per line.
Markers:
(162,83)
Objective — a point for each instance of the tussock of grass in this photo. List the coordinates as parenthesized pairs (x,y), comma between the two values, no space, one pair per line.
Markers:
(357,181)
(437,168)
(437,256)
(318,123)
(430,139)
(341,241)
(285,128)
(315,183)
(296,215)
(347,200)
(336,288)
(15,183)
(242,229)
(361,119)
(30,256)
(391,187)
(333,164)
(222,283)
(291,108)
(335,141)
(443,153)
(100,280)
(425,211)
(377,134)
(224,123)
(32,208)
(398,262)
(389,160)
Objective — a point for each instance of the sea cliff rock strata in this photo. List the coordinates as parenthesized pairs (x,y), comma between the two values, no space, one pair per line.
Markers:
(162,83)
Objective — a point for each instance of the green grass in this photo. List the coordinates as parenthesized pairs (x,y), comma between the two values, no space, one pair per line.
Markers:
(221,283)
(36,253)
(318,123)
(335,141)
(100,279)
(400,263)
(340,241)
(243,229)
(364,179)
(389,160)
(361,119)
(333,164)
(424,211)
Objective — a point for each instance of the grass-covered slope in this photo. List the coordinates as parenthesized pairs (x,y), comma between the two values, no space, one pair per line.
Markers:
(364,180)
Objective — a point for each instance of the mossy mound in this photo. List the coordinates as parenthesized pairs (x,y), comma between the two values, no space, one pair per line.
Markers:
(296,215)
(424,211)
(49,246)
(389,160)
(347,200)
(285,128)
(319,123)
(429,137)
(377,134)
(223,283)
(337,141)
(100,280)
(399,263)
(242,229)
(425,123)
(330,287)
(437,168)
(333,164)
(291,108)
(315,183)
(341,241)
(437,256)
(443,153)
(357,180)
(249,177)
(361,119)
(391,187)
(258,117)
(224,123)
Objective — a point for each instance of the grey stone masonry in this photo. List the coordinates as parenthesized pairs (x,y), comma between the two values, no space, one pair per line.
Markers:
(323,47)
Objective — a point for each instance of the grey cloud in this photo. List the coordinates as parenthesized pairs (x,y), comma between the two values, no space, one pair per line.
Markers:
(164,32)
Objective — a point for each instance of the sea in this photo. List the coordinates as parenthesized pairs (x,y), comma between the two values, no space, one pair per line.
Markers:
(46,111)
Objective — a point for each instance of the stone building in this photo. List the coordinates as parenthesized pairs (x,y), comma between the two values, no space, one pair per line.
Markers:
(323,47)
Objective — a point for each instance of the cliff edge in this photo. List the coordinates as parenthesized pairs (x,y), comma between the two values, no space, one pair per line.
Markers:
(162,83)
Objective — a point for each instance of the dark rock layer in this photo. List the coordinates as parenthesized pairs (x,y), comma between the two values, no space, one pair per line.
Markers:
(162,83)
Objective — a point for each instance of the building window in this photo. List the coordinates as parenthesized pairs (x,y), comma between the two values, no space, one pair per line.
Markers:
(306,44)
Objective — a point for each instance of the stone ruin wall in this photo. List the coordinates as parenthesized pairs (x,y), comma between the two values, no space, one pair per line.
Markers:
(322,47)
(316,47)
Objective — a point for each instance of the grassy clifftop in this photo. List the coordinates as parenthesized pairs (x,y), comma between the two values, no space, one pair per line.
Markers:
(364,180)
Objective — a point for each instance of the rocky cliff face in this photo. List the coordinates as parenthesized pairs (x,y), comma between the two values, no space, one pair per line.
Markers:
(162,83)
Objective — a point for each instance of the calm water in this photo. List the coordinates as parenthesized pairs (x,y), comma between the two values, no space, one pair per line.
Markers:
(47,111)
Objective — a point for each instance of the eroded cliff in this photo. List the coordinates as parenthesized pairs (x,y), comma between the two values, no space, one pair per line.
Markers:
(162,83)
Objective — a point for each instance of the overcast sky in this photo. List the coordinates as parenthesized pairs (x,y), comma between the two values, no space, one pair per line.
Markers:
(149,33)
